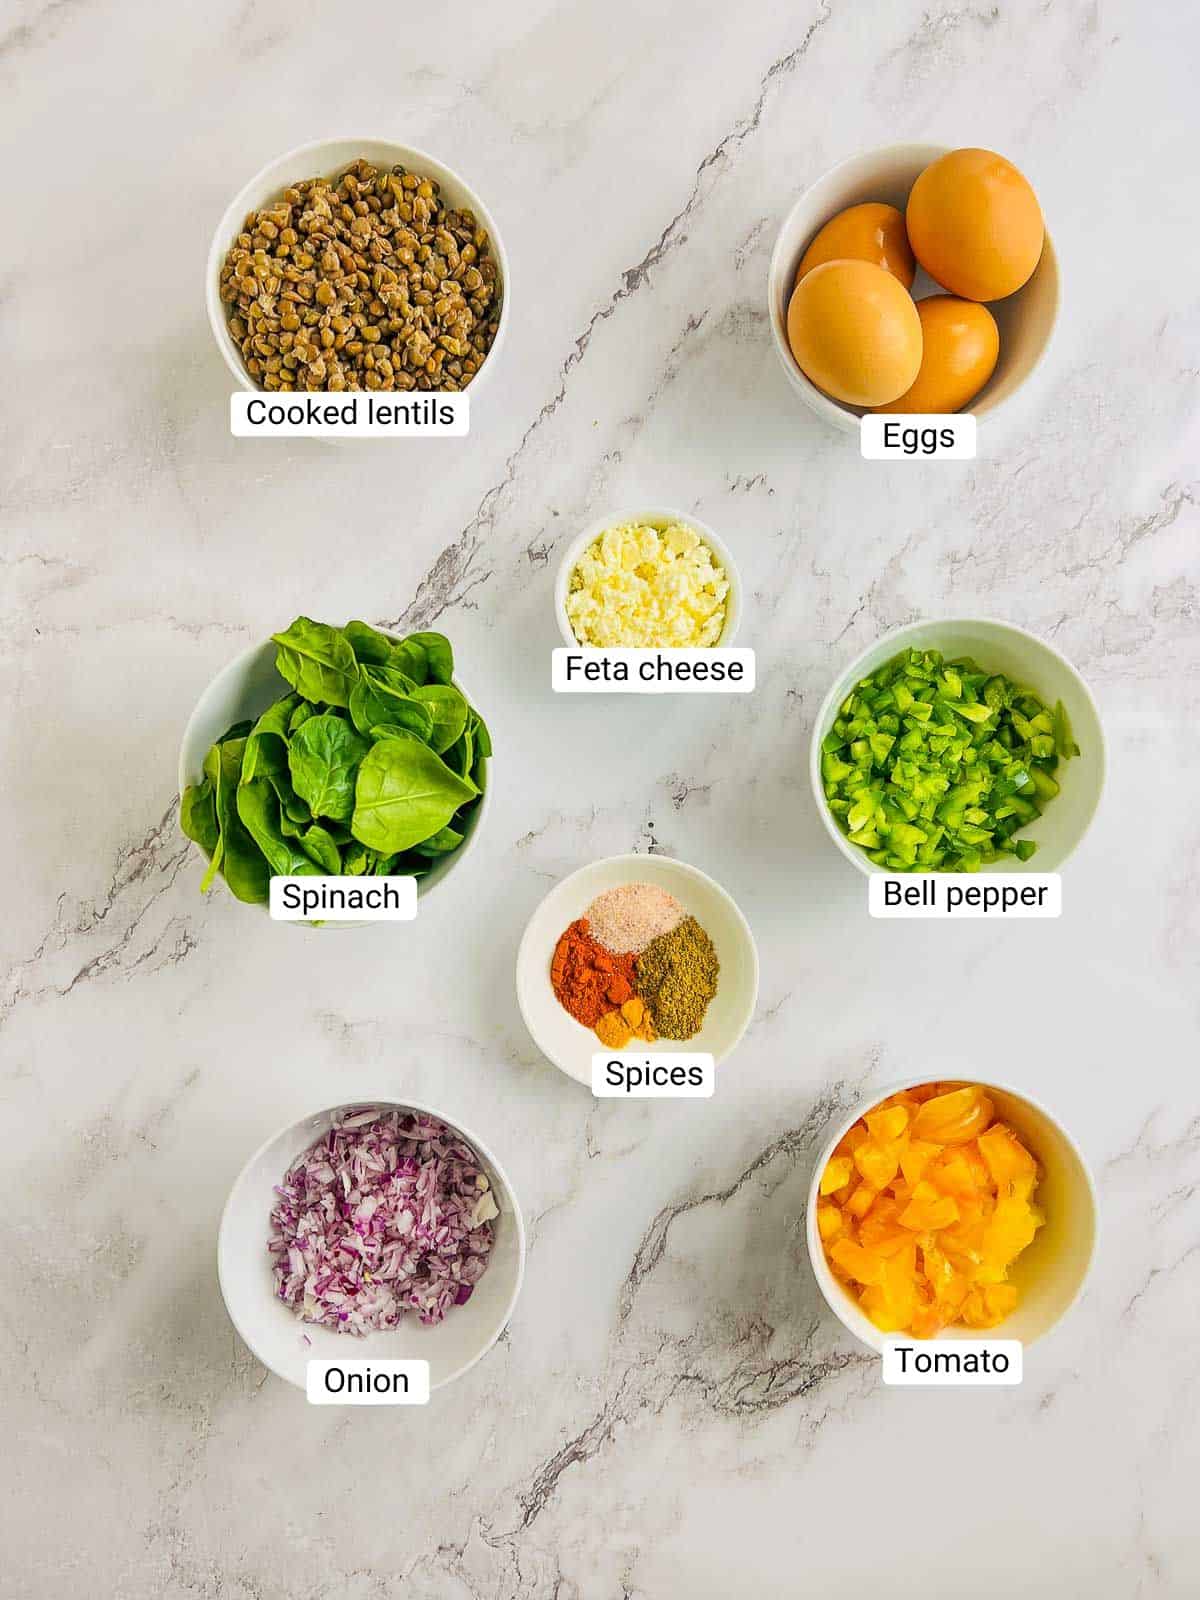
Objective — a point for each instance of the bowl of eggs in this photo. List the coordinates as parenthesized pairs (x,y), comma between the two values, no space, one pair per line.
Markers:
(914,279)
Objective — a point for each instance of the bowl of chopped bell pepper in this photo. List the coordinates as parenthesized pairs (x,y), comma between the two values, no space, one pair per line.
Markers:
(958,746)
(951,1210)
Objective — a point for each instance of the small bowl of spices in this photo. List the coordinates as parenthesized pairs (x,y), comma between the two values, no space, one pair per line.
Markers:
(636,952)
(654,579)
(357,264)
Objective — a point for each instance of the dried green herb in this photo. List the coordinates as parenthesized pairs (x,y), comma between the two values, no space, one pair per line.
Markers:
(677,977)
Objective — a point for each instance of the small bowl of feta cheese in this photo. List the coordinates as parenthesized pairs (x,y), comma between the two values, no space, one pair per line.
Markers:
(655,579)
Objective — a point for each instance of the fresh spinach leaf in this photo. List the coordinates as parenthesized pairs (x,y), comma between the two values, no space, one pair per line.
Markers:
(411,660)
(356,859)
(390,679)
(368,644)
(212,775)
(290,804)
(266,743)
(461,753)
(404,793)
(320,841)
(384,697)
(300,716)
(242,863)
(408,864)
(317,660)
(449,711)
(258,809)
(320,846)
(483,739)
(323,759)
(198,815)
(439,843)
(438,654)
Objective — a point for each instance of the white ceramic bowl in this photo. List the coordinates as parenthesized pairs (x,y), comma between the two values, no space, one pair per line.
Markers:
(1050,1274)
(568,1043)
(277,1336)
(1025,319)
(245,688)
(1001,647)
(327,158)
(657,517)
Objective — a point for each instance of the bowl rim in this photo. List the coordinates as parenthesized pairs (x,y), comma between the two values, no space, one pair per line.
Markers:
(838,1300)
(653,516)
(225,1227)
(238,207)
(635,861)
(238,665)
(844,418)
(895,637)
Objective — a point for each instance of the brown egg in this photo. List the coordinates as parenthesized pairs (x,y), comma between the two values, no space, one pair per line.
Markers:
(960,345)
(870,232)
(855,332)
(975,225)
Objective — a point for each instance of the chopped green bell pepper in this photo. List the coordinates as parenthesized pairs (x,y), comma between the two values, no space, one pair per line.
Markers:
(933,765)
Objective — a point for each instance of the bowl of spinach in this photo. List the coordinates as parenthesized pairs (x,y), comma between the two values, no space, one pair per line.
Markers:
(334,751)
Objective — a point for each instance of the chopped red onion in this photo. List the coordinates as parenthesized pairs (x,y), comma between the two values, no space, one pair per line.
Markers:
(389,1212)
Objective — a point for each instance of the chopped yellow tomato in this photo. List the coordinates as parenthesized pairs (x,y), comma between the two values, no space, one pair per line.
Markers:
(887,1123)
(915,1157)
(926,1203)
(878,1163)
(837,1174)
(829,1220)
(861,1201)
(953,1118)
(856,1262)
(1005,1156)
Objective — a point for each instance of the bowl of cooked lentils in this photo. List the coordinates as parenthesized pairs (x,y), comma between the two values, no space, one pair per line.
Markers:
(357,264)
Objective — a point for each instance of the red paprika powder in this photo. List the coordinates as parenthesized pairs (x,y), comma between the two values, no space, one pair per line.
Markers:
(588,979)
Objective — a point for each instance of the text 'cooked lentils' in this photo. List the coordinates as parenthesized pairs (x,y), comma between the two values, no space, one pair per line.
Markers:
(366,281)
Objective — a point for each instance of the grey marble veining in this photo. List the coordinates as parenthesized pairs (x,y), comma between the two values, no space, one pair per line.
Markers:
(672,1412)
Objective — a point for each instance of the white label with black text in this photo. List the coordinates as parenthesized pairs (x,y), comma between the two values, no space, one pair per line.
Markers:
(652,1075)
(725,669)
(319,899)
(905,436)
(953,1363)
(1000,895)
(367,1383)
(361,415)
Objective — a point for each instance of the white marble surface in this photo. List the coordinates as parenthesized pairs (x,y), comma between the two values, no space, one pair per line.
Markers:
(672,1412)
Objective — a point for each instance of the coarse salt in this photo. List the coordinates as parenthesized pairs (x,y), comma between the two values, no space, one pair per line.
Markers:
(627,918)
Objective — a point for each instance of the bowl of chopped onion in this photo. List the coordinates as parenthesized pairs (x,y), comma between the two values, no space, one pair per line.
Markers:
(377,1230)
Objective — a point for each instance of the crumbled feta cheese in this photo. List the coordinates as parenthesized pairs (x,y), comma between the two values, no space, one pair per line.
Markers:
(642,586)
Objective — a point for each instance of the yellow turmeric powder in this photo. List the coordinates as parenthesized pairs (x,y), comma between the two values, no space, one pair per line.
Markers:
(613,1031)
(630,1021)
